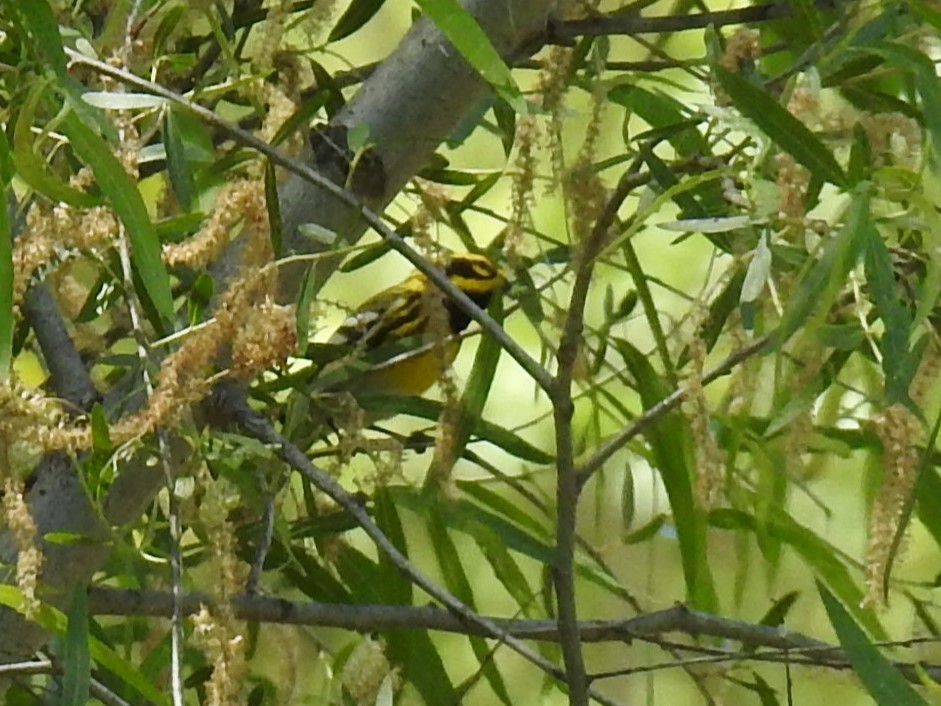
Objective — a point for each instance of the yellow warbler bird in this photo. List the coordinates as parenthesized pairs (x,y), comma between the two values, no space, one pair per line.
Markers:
(405,314)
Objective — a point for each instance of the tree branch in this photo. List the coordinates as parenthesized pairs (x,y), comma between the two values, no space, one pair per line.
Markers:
(629,23)
(783,645)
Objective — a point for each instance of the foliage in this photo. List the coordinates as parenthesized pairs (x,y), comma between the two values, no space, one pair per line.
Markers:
(709,379)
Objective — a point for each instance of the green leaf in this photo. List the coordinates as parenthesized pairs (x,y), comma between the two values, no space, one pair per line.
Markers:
(456,581)
(819,554)
(397,587)
(462,30)
(788,132)
(55,621)
(778,612)
(273,205)
(122,193)
(669,442)
(76,661)
(357,13)
(38,19)
(883,681)
(511,509)
(505,568)
(412,649)
(897,363)
(31,168)
(123,101)
(826,275)
(6,285)
(178,166)
(304,302)
(759,269)
(662,111)
(809,17)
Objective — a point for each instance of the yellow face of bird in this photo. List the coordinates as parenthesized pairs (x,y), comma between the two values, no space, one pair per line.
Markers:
(403,311)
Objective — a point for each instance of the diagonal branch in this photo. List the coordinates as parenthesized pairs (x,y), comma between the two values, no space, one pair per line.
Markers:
(230,399)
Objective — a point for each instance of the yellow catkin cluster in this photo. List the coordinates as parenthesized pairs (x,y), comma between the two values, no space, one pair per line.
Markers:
(793,181)
(585,194)
(239,201)
(365,671)
(22,528)
(217,631)
(272,32)
(265,339)
(894,139)
(710,459)
(225,650)
(899,430)
(741,48)
(51,233)
(31,424)
(523,179)
(181,380)
(553,82)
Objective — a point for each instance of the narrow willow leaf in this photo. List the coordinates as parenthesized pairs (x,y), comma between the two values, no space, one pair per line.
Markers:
(882,680)
(357,13)
(474,398)
(450,561)
(397,586)
(669,441)
(31,168)
(178,165)
(76,662)
(6,286)
(712,225)
(424,408)
(819,554)
(759,269)
(897,363)
(122,193)
(123,101)
(55,621)
(38,19)
(273,205)
(788,132)
(412,649)
(826,275)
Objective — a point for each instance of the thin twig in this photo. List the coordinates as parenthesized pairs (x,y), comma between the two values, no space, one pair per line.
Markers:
(566,32)
(617,441)
(568,486)
(176,529)
(47,666)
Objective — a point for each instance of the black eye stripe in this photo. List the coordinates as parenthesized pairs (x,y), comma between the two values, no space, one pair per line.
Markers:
(471,268)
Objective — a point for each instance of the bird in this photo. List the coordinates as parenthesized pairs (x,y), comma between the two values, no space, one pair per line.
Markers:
(394,338)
